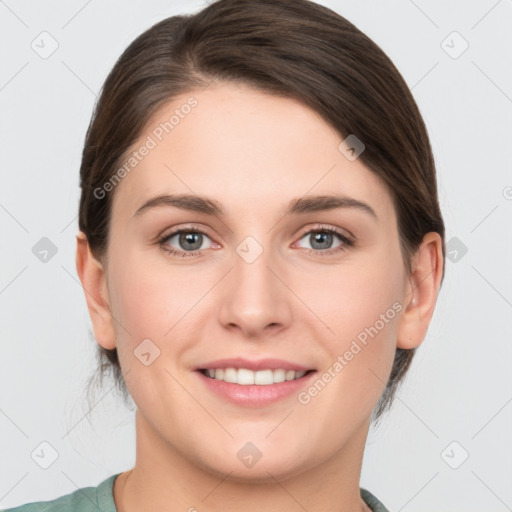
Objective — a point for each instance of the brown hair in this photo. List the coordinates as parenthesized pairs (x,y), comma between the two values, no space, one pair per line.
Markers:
(290,48)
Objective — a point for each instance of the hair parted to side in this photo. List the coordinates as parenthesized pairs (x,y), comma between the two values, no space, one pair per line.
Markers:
(291,48)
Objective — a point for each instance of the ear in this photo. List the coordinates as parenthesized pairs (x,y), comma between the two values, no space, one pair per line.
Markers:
(92,276)
(421,292)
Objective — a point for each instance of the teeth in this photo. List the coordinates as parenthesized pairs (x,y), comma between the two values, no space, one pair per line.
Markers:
(229,375)
(279,375)
(264,377)
(246,377)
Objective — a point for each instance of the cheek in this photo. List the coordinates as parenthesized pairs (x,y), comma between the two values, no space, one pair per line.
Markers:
(363,308)
(152,302)
(355,298)
(361,305)
(150,296)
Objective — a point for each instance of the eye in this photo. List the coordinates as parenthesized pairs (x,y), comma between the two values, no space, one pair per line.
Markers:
(322,240)
(185,242)
(325,240)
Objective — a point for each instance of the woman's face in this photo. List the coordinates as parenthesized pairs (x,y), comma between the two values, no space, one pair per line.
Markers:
(260,287)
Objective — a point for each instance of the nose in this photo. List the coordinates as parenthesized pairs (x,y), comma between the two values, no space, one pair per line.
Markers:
(255,299)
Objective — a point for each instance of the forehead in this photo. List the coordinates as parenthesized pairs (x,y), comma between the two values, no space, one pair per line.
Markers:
(243,147)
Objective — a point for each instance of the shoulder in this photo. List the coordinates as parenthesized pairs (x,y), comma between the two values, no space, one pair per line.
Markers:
(372,501)
(87,499)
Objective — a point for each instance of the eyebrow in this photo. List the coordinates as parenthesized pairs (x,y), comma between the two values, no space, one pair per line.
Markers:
(208,206)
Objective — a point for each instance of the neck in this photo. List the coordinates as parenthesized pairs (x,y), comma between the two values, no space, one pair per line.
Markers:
(163,479)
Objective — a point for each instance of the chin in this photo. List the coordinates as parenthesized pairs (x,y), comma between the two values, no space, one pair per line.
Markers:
(261,472)
(251,463)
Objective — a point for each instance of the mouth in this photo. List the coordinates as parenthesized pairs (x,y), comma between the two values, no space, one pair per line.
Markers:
(254,383)
(247,377)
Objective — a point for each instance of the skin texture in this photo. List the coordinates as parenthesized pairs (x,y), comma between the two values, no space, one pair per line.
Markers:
(253,153)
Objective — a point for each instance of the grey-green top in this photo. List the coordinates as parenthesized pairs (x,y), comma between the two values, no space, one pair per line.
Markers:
(101,499)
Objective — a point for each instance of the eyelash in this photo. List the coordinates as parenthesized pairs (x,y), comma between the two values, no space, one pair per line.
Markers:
(346,241)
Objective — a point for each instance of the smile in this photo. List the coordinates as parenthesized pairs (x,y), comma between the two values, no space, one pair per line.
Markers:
(254,383)
(246,377)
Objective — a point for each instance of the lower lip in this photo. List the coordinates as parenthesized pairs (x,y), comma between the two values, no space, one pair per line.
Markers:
(254,395)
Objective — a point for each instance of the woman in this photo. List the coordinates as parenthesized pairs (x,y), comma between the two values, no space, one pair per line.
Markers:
(261,249)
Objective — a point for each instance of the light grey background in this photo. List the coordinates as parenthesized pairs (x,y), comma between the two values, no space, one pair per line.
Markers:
(459,387)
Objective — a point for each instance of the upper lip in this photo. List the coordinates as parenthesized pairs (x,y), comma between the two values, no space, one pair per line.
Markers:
(261,364)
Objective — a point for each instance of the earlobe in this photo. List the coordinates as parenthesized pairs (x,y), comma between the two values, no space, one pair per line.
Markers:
(421,295)
(93,279)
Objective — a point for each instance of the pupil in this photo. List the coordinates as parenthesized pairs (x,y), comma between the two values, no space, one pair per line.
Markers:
(319,238)
(195,239)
